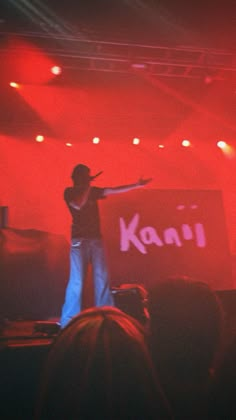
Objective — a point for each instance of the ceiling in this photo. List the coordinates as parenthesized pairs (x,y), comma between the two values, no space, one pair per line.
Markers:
(169,22)
(151,58)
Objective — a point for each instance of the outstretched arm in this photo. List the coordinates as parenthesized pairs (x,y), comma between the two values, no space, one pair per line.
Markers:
(124,188)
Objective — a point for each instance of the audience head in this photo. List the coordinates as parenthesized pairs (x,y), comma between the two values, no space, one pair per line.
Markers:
(186,319)
(223,398)
(99,367)
(132,298)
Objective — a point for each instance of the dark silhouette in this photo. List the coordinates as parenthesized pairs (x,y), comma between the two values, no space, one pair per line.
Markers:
(86,240)
(222,400)
(132,298)
(186,323)
(100,368)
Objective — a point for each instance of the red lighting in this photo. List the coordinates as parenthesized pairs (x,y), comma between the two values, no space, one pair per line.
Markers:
(186,143)
(39,138)
(221,144)
(56,70)
(14,85)
(226,149)
(208,80)
(27,63)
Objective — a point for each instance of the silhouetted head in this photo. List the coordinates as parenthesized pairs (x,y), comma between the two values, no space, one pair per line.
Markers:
(222,398)
(132,298)
(186,323)
(81,175)
(100,367)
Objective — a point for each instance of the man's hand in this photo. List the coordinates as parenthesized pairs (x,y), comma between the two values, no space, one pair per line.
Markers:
(143,181)
(124,188)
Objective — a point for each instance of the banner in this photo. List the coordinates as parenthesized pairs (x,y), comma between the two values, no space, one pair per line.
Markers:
(153,234)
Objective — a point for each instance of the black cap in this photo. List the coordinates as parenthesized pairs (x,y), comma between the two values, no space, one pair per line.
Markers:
(81,173)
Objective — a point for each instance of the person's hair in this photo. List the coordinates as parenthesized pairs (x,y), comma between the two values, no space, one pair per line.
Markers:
(186,324)
(223,397)
(81,174)
(132,298)
(100,367)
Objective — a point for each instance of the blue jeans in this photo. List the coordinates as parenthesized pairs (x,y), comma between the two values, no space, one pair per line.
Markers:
(85,251)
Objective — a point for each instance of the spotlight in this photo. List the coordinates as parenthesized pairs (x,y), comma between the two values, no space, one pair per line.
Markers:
(39,138)
(226,149)
(208,80)
(96,140)
(186,143)
(139,66)
(69,144)
(161,146)
(136,140)
(221,144)
(56,70)
(14,85)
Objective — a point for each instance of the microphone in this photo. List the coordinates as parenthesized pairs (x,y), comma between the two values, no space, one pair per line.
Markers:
(95,176)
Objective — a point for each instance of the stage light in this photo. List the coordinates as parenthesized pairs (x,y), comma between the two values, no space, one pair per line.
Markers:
(69,144)
(14,85)
(56,70)
(136,140)
(96,140)
(222,144)
(226,149)
(161,146)
(208,79)
(139,66)
(186,143)
(39,138)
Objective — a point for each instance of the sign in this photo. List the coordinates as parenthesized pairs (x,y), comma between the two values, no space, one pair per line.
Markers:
(153,234)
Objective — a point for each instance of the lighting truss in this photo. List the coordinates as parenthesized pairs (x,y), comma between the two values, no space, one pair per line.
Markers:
(125,57)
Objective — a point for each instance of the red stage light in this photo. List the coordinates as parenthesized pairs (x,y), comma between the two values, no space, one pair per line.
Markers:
(39,138)
(226,149)
(186,143)
(56,70)
(14,85)
(221,144)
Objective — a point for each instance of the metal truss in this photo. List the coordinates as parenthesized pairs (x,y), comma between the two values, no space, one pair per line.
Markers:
(124,57)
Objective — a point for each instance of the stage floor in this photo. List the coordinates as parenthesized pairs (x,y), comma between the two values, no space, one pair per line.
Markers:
(28,332)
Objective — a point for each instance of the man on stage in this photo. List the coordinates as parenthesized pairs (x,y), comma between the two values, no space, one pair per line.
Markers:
(86,240)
